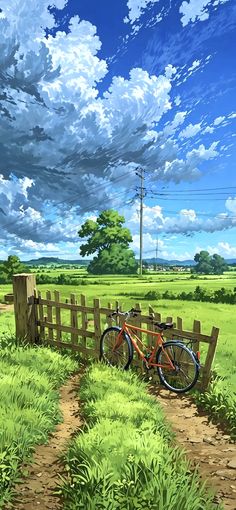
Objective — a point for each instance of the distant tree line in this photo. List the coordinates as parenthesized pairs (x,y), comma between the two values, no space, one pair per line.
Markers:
(11,266)
(221,295)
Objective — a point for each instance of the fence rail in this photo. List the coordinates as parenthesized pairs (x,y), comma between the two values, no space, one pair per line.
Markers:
(40,320)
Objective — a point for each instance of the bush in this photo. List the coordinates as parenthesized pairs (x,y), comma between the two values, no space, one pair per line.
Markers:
(152,295)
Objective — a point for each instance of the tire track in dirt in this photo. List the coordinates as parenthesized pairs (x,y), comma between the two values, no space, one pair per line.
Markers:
(205,444)
(36,490)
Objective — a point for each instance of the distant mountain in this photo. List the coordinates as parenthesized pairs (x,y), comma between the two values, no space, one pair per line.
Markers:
(83,262)
(54,260)
(180,262)
(170,262)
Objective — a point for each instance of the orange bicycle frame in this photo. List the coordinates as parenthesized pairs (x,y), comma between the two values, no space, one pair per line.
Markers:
(129,329)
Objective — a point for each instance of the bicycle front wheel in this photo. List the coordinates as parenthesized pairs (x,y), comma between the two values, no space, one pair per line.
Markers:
(186,370)
(119,357)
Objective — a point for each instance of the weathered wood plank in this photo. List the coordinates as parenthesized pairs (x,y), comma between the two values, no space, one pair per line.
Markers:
(206,376)
(58,313)
(41,318)
(197,330)
(73,319)
(150,338)
(109,319)
(84,317)
(67,329)
(73,347)
(97,323)
(49,315)
(25,320)
(67,306)
(37,337)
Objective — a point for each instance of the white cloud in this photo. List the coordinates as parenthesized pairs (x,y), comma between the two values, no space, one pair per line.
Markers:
(149,245)
(179,170)
(227,249)
(219,120)
(230,204)
(197,10)
(178,120)
(194,65)
(190,131)
(186,221)
(68,146)
(222,248)
(137,8)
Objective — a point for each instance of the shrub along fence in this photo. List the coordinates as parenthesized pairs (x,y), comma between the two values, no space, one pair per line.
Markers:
(40,320)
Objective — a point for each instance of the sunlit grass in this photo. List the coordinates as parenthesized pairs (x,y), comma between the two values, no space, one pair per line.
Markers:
(124,459)
(29,382)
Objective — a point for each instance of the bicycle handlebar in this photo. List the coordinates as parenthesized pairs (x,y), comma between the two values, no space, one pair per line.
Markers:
(131,312)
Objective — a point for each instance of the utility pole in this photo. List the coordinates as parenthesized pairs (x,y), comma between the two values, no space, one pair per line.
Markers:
(141,196)
(156,250)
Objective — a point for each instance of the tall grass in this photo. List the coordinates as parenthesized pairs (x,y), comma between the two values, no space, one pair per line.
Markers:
(125,458)
(29,379)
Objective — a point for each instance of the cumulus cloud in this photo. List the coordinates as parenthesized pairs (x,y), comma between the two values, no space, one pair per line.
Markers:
(197,10)
(222,248)
(65,149)
(190,130)
(178,120)
(186,221)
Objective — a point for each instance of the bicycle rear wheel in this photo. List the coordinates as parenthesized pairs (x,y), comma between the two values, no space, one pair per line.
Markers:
(120,357)
(186,371)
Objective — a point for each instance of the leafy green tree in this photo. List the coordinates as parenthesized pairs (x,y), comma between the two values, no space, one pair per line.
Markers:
(109,240)
(12,266)
(203,260)
(207,264)
(218,263)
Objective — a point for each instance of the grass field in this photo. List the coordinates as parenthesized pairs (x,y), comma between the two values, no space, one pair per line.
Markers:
(129,290)
(112,288)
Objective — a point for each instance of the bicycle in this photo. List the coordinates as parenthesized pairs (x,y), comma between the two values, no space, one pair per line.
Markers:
(177,365)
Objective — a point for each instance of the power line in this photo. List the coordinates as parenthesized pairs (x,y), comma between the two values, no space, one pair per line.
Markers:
(96,188)
(216,216)
(199,189)
(187,193)
(190,198)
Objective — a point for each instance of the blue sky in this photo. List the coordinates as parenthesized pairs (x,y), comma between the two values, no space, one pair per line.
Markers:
(92,90)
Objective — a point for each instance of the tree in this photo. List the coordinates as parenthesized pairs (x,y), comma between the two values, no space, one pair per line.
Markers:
(110,240)
(218,263)
(11,266)
(207,264)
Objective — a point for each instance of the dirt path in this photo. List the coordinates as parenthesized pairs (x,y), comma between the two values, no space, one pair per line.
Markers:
(205,444)
(35,491)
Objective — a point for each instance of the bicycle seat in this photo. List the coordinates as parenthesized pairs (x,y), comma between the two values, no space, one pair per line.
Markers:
(164,325)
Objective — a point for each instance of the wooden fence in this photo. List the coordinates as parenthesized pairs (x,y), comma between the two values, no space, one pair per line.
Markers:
(39,320)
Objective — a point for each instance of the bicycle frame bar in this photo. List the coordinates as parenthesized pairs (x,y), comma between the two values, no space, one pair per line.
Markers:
(126,329)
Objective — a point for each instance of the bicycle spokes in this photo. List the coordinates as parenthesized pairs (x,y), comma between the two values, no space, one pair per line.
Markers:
(184,371)
(115,353)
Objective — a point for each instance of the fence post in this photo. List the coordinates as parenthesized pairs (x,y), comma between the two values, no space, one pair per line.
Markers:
(209,358)
(25,317)
(97,324)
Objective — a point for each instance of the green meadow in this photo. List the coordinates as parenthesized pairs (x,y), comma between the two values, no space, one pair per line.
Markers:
(129,290)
